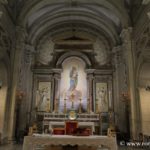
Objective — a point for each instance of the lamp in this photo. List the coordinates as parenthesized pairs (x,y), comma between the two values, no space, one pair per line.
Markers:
(20,94)
(125,96)
(1,83)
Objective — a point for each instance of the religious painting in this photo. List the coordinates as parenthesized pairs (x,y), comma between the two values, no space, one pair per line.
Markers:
(101,97)
(73,86)
(43,96)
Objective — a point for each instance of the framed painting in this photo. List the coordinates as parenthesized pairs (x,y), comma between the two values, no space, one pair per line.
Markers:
(101,97)
(43,95)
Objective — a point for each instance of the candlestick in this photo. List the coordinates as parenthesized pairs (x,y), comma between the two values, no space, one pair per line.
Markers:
(56,105)
(80,106)
(72,100)
(109,99)
(88,105)
(65,109)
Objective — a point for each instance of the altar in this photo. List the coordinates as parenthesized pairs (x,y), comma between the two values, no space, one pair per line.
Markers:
(46,142)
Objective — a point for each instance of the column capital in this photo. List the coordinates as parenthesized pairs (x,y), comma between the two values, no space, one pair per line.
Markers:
(126,35)
(89,71)
(4,2)
(29,51)
(117,48)
(148,14)
(117,55)
(21,33)
(145,2)
(1,14)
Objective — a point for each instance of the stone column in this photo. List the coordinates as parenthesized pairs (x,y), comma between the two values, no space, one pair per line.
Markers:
(26,85)
(126,36)
(116,87)
(111,105)
(56,89)
(16,61)
(90,100)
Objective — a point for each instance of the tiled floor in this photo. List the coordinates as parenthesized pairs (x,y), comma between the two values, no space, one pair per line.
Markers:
(19,147)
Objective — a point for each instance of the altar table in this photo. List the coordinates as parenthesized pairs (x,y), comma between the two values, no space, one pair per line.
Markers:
(31,142)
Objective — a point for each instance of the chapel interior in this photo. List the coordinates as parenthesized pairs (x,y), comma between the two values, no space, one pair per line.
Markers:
(76,67)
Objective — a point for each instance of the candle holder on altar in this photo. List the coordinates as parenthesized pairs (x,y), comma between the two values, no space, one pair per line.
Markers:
(65,107)
(80,106)
(88,105)
(56,106)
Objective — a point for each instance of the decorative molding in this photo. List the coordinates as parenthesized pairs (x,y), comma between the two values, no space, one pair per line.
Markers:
(4,1)
(89,71)
(57,70)
(46,70)
(103,72)
(117,49)
(148,14)
(1,14)
(145,2)
(126,35)
(21,35)
(29,50)
(75,54)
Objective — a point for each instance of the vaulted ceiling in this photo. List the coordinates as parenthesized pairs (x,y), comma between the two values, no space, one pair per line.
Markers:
(98,20)
(48,21)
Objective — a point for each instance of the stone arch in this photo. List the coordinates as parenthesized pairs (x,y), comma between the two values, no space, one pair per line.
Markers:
(72,53)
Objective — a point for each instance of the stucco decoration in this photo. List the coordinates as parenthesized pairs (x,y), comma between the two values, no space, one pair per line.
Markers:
(45,51)
(100,52)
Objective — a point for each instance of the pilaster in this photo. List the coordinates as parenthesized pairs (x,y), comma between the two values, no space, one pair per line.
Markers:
(90,78)
(126,36)
(19,47)
(57,76)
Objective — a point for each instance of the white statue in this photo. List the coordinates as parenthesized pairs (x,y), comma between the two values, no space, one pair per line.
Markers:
(101,93)
(42,105)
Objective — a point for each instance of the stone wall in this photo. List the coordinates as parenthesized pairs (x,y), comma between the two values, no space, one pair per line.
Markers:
(145,110)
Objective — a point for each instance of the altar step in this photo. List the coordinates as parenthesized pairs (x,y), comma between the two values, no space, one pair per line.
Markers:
(68,147)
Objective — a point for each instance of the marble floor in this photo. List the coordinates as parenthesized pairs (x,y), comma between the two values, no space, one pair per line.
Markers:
(19,147)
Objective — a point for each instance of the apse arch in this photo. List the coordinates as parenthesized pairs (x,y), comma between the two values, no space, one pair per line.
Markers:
(80,55)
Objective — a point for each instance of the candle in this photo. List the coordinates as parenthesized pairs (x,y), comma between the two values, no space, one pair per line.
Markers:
(110,99)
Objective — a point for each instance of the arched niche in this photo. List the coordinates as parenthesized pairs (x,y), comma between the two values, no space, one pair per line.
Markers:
(3,96)
(73,54)
(73,85)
